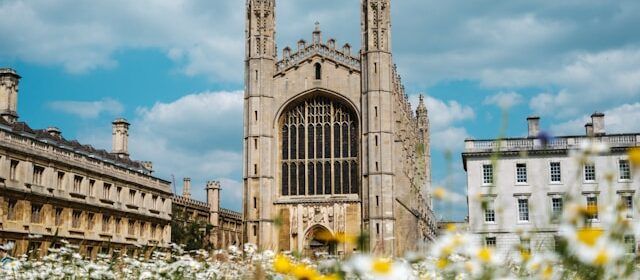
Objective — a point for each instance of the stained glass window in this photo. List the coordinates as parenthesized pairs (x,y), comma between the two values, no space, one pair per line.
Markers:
(319,149)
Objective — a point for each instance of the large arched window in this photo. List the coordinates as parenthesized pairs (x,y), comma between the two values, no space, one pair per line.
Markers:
(319,149)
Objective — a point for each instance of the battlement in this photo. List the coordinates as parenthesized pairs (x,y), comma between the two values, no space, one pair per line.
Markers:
(327,50)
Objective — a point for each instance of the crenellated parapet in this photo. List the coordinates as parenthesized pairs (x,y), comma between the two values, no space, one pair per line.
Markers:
(327,50)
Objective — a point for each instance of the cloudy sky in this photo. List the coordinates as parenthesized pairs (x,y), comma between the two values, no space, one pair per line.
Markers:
(174,68)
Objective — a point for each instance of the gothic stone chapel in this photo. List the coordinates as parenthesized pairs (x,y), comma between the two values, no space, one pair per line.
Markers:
(331,144)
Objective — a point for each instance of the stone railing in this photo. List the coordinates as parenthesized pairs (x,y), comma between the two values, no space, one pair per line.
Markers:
(231,214)
(183,201)
(321,49)
(568,142)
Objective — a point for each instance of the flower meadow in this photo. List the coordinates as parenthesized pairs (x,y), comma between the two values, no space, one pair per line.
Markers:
(586,251)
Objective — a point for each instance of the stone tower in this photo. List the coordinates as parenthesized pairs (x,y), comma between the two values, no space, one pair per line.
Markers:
(259,106)
(331,143)
(9,80)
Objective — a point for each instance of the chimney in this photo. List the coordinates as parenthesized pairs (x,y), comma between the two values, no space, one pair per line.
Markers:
(213,199)
(589,129)
(597,119)
(9,81)
(121,137)
(534,126)
(54,131)
(186,187)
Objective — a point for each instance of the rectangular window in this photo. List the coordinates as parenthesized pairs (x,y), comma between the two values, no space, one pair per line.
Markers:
(490,242)
(105,223)
(13,170)
(555,172)
(92,184)
(37,175)
(77,183)
(36,214)
(118,221)
(132,196)
(132,228)
(489,212)
(592,207)
(60,181)
(625,170)
(76,219)
(630,244)
(589,172)
(523,210)
(58,218)
(11,209)
(627,202)
(521,173)
(556,207)
(106,191)
(487,174)
(90,220)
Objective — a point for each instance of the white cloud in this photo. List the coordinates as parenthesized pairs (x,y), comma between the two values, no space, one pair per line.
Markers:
(197,136)
(88,109)
(617,120)
(82,36)
(504,100)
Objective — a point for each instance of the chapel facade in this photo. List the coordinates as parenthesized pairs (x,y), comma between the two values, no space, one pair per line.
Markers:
(331,144)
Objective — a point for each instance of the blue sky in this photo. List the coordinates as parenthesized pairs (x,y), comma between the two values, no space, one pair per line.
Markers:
(174,69)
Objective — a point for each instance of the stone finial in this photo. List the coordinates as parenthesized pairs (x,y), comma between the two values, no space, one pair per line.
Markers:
(331,43)
(317,34)
(286,52)
(302,44)
(120,134)
(346,49)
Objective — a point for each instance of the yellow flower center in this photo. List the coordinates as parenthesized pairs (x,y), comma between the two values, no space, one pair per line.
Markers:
(484,255)
(303,272)
(547,272)
(525,254)
(451,228)
(589,236)
(602,258)
(442,263)
(382,266)
(282,265)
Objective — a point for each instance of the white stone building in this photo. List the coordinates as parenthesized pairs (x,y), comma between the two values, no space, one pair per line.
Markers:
(522,183)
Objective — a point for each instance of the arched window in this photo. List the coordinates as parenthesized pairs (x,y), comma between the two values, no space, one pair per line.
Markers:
(318,71)
(319,139)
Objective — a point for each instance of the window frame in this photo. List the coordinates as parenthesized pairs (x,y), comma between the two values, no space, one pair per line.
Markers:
(626,170)
(523,211)
(551,172)
(524,180)
(589,170)
(488,174)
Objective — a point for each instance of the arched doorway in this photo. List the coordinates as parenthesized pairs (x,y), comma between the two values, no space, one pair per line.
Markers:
(319,241)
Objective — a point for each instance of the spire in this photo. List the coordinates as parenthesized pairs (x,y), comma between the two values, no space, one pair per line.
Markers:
(317,34)
(421,107)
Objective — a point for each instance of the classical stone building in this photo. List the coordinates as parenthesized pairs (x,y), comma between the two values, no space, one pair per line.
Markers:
(226,225)
(52,188)
(525,186)
(331,144)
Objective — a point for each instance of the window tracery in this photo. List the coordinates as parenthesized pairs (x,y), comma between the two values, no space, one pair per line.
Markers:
(319,145)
